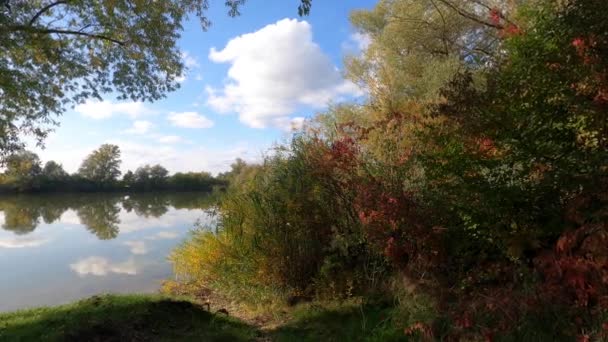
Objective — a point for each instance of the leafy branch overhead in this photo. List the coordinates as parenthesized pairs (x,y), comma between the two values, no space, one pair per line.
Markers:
(59,53)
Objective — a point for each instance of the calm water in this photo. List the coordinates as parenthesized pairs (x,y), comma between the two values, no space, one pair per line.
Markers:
(58,248)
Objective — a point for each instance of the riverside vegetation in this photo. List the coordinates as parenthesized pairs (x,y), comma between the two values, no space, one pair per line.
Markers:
(468,195)
(466,199)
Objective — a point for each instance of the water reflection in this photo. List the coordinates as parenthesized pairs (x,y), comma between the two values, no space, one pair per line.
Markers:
(21,242)
(100,266)
(58,248)
(99,213)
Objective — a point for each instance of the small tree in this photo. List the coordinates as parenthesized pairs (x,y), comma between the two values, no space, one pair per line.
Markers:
(53,171)
(158,175)
(102,165)
(128,178)
(23,169)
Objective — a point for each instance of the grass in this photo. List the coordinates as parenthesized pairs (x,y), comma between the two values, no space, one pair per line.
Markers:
(123,318)
(346,321)
(169,318)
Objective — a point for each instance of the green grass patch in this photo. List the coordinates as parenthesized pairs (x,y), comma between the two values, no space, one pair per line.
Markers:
(339,322)
(123,318)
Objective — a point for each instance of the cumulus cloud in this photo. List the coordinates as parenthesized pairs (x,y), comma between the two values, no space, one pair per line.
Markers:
(189,61)
(170,139)
(361,39)
(137,247)
(99,266)
(98,110)
(189,120)
(22,242)
(140,127)
(272,72)
(163,236)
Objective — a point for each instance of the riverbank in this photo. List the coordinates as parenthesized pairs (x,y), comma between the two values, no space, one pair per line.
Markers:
(173,318)
(123,318)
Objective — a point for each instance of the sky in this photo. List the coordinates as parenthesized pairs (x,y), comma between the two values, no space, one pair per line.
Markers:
(250,81)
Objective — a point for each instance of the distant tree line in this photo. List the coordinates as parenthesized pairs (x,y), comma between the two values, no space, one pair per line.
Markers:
(100,171)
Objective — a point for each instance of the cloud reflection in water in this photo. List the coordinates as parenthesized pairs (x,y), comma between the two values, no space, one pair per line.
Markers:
(100,266)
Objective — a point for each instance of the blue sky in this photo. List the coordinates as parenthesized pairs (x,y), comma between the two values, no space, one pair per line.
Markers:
(250,80)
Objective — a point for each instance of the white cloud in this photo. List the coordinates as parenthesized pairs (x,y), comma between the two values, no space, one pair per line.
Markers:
(70,217)
(163,236)
(140,127)
(362,40)
(274,71)
(137,247)
(98,110)
(189,120)
(181,78)
(99,266)
(22,242)
(189,61)
(170,139)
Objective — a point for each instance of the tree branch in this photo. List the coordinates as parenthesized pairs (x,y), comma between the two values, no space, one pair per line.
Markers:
(443,30)
(67,32)
(471,16)
(46,8)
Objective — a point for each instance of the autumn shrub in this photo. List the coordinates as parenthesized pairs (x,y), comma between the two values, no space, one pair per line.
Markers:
(478,207)
(289,229)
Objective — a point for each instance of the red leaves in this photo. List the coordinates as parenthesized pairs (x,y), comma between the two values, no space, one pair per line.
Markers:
(577,272)
(578,43)
(423,329)
(486,147)
(343,153)
(464,321)
(583,338)
(507,29)
(511,30)
(585,49)
(495,16)
(566,242)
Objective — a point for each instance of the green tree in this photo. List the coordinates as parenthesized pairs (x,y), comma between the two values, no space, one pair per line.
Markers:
(158,175)
(128,178)
(57,53)
(22,170)
(142,175)
(54,171)
(23,164)
(102,165)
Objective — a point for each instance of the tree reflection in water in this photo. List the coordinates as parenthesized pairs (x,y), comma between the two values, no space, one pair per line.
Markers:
(99,213)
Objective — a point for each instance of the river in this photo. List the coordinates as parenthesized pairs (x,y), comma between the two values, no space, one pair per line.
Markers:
(56,248)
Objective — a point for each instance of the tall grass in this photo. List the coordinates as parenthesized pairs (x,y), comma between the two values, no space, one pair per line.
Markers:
(283,231)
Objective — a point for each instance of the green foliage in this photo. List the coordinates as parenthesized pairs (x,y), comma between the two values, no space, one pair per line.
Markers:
(202,181)
(351,320)
(287,215)
(148,177)
(56,54)
(22,169)
(470,186)
(102,165)
(100,171)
